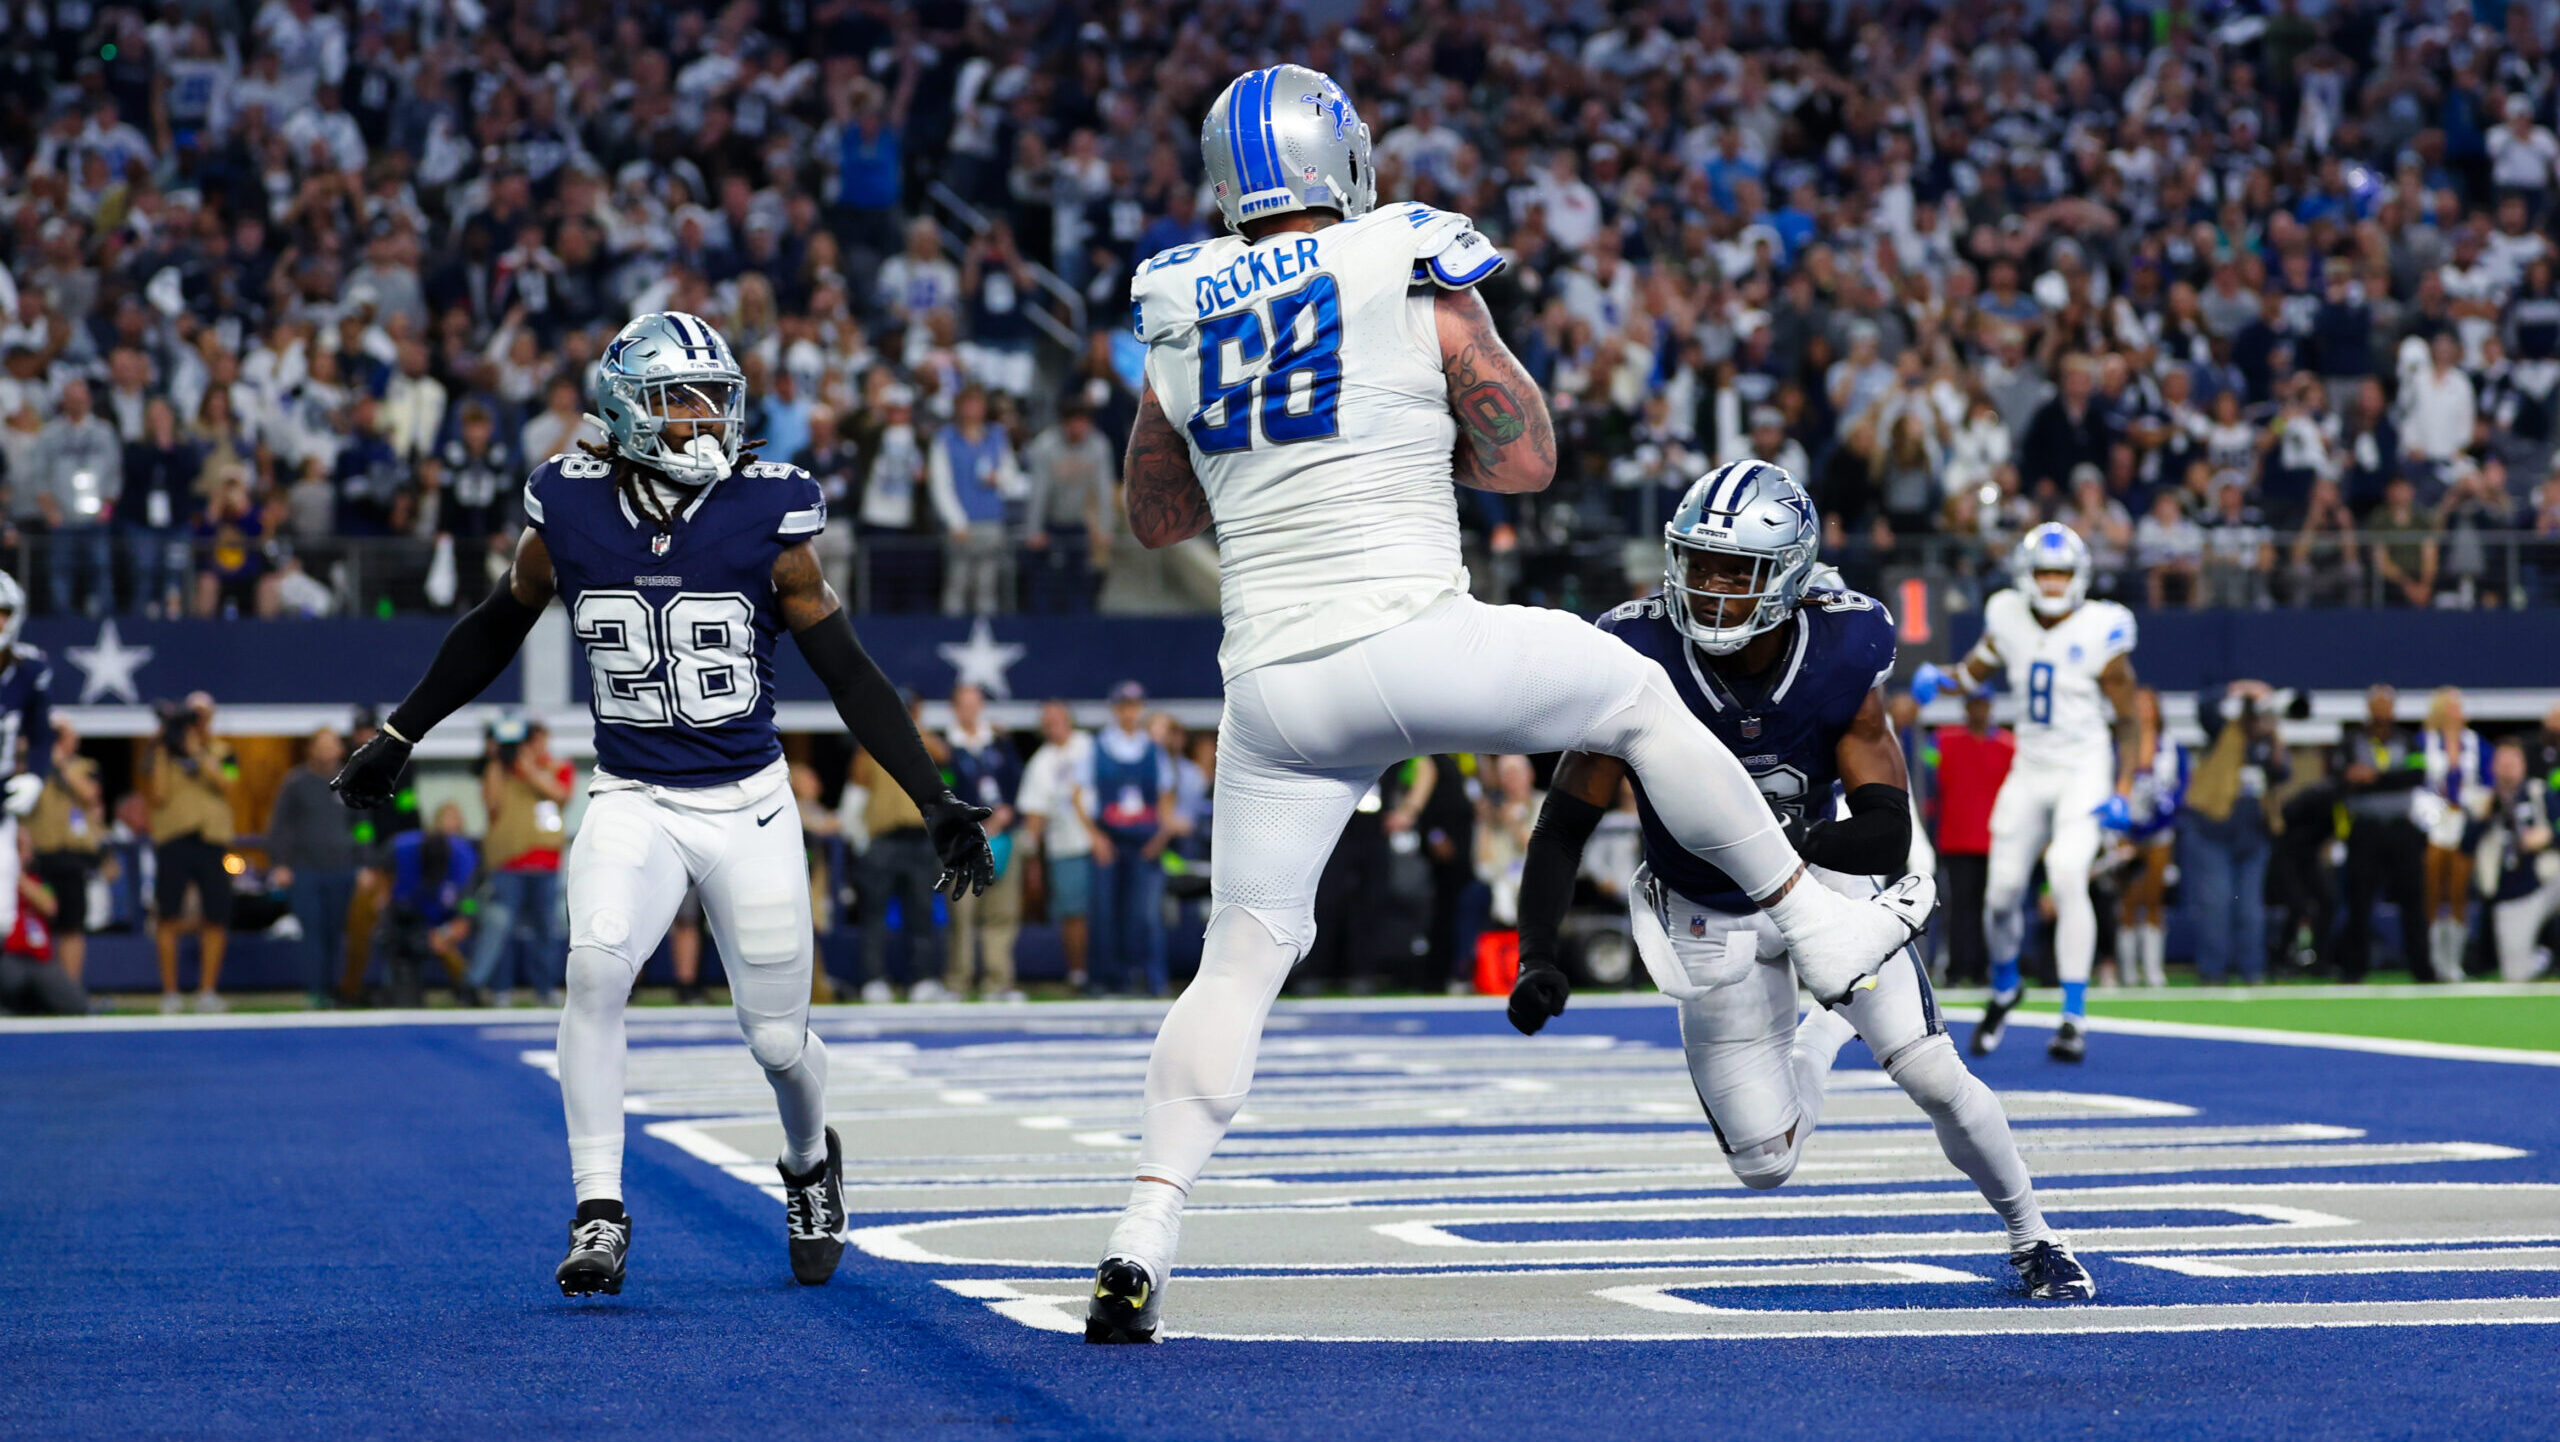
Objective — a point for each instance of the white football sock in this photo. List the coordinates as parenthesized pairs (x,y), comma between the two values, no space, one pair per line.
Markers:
(1974,1133)
(1150,1227)
(800,1095)
(591,1062)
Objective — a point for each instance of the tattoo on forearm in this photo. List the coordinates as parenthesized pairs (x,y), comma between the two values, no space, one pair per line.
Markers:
(1498,408)
(1162,493)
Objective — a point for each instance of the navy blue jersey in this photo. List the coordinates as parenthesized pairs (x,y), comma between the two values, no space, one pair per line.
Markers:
(1784,724)
(678,628)
(26,712)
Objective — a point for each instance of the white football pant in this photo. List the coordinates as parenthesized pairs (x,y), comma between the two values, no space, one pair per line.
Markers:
(2048,811)
(636,852)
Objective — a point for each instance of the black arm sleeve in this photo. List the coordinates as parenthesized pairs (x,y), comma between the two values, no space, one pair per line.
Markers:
(474,653)
(870,706)
(1565,824)
(1874,841)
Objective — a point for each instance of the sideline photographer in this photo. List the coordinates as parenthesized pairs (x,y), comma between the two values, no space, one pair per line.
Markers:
(524,787)
(187,785)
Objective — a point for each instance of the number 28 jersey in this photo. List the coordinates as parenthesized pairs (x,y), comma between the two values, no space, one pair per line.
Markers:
(1304,371)
(678,627)
(2062,714)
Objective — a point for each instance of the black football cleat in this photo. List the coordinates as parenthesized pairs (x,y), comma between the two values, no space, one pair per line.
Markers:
(2070,1041)
(1995,1022)
(815,1202)
(1125,1301)
(2049,1273)
(598,1247)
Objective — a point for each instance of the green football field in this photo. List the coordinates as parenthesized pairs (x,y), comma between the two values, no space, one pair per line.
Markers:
(2517,1017)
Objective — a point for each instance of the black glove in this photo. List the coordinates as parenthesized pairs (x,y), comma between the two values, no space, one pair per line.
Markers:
(371,777)
(968,866)
(1796,828)
(1538,995)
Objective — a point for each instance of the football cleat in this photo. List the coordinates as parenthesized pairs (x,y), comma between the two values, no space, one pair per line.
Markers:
(2049,1273)
(1995,1021)
(1125,1301)
(2070,1041)
(598,1246)
(815,1201)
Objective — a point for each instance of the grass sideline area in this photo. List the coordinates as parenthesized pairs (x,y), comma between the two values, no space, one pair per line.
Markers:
(2518,1018)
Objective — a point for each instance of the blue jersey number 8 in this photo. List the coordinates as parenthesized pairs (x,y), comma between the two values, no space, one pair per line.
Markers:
(1290,411)
(2040,693)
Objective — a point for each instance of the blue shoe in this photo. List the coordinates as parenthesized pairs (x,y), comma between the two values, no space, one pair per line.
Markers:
(2049,1273)
(1125,1302)
(1995,1020)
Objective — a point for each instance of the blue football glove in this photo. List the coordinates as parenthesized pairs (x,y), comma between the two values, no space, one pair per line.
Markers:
(1929,680)
(2113,814)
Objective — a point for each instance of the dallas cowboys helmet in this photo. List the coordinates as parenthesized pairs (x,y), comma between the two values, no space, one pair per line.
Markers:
(2052,546)
(1286,139)
(13,601)
(672,367)
(1749,509)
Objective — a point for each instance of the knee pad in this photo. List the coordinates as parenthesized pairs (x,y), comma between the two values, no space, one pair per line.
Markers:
(1930,1073)
(777,1045)
(597,977)
(1767,1165)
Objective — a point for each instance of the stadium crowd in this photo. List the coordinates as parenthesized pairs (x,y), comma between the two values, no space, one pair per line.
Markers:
(293,293)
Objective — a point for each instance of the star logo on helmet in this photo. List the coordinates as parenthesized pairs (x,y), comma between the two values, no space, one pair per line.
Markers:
(1795,500)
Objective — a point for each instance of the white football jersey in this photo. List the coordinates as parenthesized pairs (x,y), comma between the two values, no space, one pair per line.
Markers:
(1305,369)
(2063,717)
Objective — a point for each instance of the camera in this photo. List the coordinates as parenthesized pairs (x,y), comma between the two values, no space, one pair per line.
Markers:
(507,735)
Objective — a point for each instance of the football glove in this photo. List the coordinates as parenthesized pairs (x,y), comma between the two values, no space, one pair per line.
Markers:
(1539,995)
(2114,814)
(22,792)
(968,866)
(371,777)
(1929,681)
(1796,829)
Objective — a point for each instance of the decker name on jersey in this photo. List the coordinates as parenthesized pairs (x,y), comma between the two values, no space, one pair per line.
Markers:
(1784,725)
(677,626)
(1305,370)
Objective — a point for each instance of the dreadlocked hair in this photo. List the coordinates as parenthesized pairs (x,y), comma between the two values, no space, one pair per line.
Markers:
(628,480)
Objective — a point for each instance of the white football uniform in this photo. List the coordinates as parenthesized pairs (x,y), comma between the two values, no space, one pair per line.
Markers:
(1305,369)
(2065,770)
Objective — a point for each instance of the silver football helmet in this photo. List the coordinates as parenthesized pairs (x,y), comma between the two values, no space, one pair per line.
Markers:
(1286,139)
(1752,510)
(670,367)
(13,604)
(2052,546)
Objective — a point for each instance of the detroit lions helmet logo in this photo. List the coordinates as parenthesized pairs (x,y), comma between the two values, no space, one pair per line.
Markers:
(1334,104)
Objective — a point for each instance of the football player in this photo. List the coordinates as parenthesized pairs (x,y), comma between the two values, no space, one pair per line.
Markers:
(681,561)
(1791,677)
(2070,661)
(26,738)
(1315,382)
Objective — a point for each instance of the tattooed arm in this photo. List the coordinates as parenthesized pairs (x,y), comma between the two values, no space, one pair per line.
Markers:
(1505,440)
(1158,486)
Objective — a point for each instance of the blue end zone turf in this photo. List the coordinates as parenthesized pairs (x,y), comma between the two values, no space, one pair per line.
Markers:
(334,1232)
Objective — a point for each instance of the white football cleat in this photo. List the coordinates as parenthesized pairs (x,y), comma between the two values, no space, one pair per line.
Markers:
(1839,944)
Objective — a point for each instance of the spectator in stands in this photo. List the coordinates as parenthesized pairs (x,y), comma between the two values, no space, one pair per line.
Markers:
(2069,431)
(1072,478)
(2439,409)
(153,506)
(1131,781)
(311,848)
(985,771)
(2226,829)
(64,832)
(898,868)
(2376,764)
(891,516)
(523,788)
(73,479)
(232,577)
(2169,549)
(1059,846)
(2515,850)
(974,480)
(187,784)
(2239,549)
(2404,549)
(2475,507)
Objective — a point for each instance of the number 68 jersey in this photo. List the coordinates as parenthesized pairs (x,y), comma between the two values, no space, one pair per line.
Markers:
(677,628)
(2063,716)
